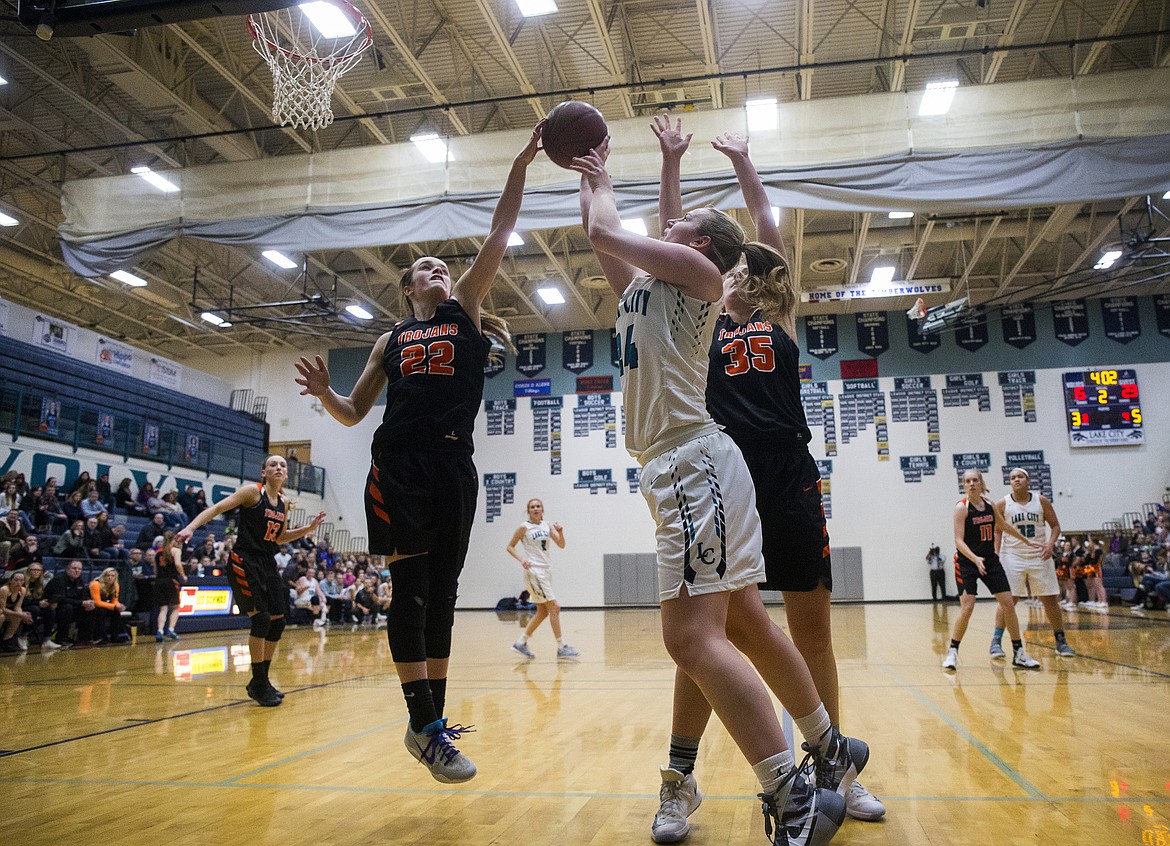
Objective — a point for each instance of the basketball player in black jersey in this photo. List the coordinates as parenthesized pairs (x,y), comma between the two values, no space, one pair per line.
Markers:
(753,391)
(422,486)
(976,521)
(252,572)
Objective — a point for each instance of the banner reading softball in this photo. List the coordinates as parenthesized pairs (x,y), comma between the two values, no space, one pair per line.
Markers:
(114,355)
(166,373)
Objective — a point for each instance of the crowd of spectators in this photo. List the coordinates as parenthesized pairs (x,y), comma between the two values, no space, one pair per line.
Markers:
(74,577)
(1144,549)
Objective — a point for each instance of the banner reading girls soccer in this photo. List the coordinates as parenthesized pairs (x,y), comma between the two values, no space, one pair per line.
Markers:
(114,355)
(166,374)
(105,428)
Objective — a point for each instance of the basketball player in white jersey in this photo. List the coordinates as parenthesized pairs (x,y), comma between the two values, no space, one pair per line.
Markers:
(535,535)
(701,495)
(1026,566)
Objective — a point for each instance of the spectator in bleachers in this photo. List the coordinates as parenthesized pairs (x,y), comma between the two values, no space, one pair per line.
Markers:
(12,613)
(307,603)
(117,550)
(331,590)
(97,538)
(92,505)
(365,603)
(29,503)
(104,592)
(72,509)
(125,500)
(172,512)
(385,592)
(154,529)
(201,505)
(210,547)
(1154,581)
(68,595)
(50,511)
(25,554)
(292,574)
(148,562)
(12,501)
(145,494)
(105,493)
(283,557)
(71,544)
(35,603)
(189,503)
(12,534)
(81,483)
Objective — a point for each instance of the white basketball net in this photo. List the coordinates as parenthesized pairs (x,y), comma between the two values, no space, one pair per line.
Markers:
(305,64)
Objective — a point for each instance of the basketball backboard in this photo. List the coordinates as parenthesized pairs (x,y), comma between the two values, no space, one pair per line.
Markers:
(70,18)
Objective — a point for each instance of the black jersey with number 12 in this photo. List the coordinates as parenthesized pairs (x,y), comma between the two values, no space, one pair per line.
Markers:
(260,525)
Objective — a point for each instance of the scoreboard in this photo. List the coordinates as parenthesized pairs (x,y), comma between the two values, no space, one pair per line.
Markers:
(1103,408)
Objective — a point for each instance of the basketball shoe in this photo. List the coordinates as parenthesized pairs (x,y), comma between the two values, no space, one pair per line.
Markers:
(839,763)
(951,662)
(523,649)
(567,651)
(863,805)
(1023,659)
(798,813)
(678,798)
(1063,650)
(433,748)
(996,650)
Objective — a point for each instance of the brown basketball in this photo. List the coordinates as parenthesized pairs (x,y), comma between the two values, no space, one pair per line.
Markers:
(573,128)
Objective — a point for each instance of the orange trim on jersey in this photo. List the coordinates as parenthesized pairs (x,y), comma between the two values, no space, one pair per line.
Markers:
(375,493)
(374,471)
(381,515)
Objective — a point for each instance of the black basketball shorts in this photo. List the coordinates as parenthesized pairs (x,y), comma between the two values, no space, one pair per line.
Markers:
(257,584)
(967,575)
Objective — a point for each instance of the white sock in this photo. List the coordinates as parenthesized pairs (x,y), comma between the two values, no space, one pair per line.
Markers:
(814,726)
(771,771)
(523,639)
(560,642)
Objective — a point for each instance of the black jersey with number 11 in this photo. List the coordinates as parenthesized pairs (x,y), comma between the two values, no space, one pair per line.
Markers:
(260,525)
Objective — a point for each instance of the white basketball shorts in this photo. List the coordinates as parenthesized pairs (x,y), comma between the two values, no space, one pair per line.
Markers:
(538,580)
(1040,573)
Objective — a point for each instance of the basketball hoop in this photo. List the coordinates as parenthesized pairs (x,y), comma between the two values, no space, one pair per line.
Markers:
(305,63)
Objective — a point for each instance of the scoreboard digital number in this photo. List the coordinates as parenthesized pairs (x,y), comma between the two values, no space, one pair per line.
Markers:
(1103,408)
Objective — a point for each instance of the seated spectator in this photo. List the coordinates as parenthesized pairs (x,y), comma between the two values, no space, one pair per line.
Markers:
(25,554)
(124,499)
(105,493)
(283,557)
(145,494)
(49,509)
(135,561)
(189,503)
(10,499)
(365,603)
(107,613)
(117,550)
(385,592)
(175,517)
(336,607)
(97,538)
(200,502)
(1154,583)
(307,604)
(68,596)
(81,483)
(71,544)
(72,508)
(35,603)
(29,504)
(12,534)
(212,549)
(92,505)
(156,528)
(148,563)
(14,616)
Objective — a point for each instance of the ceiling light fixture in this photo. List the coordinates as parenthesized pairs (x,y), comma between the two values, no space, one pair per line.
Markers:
(901,215)
(329,20)
(761,114)
(8,220)
(881,276)
(514,240)
(279,259)
(129,278)
(433,148)
(1107,260)
(359,312)
(551,296)
(532,8)
(936,100)
(214,319)
(157,180)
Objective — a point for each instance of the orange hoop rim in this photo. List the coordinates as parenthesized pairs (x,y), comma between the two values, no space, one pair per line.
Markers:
(365,31)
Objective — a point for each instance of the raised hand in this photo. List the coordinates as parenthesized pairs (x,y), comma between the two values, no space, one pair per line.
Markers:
(670,138)
(314,379)
(731,144)
(592,167)
(533,146)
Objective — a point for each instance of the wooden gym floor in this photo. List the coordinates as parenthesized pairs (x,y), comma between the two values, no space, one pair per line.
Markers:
(158,744)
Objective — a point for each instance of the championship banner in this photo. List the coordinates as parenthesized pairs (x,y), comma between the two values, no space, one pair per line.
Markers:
(1120,316)
(917,341)
(1162,314)
(1018,321)
(873,333)
(55,335)
(114,355)
(166,374)
(1070,321)
(971,332)
(577,350)
(820,335)
(530,353)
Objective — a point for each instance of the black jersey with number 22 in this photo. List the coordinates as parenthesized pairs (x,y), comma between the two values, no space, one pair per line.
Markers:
(261,524)
(434,382)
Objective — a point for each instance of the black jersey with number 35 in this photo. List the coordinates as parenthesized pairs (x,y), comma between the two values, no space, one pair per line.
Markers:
(434,382)
(260,526)
(753,383)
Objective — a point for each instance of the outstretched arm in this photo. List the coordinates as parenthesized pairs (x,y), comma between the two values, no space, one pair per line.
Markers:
(735,147)
(676,264)
(473,285)
(288,535)
(674,145)
(618,273)
(246,496)
(350,410)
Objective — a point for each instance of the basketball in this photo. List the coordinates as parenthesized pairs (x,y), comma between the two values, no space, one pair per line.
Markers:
(572,129)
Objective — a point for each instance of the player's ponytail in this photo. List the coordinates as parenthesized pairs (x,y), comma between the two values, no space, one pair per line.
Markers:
(767,284)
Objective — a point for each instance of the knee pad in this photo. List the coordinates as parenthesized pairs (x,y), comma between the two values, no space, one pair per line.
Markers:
(275,630)
(261,622)
(406,621)
(440,621)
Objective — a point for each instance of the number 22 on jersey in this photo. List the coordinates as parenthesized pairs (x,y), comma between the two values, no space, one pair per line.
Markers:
(434,358)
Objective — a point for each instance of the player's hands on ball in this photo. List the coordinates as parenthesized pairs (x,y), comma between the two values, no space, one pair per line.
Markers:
(533,147)
(592,167)
(314,378)
(670,138)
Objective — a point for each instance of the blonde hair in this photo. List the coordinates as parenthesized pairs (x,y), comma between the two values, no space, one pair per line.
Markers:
(495,328)
(761,273)
(108,589)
